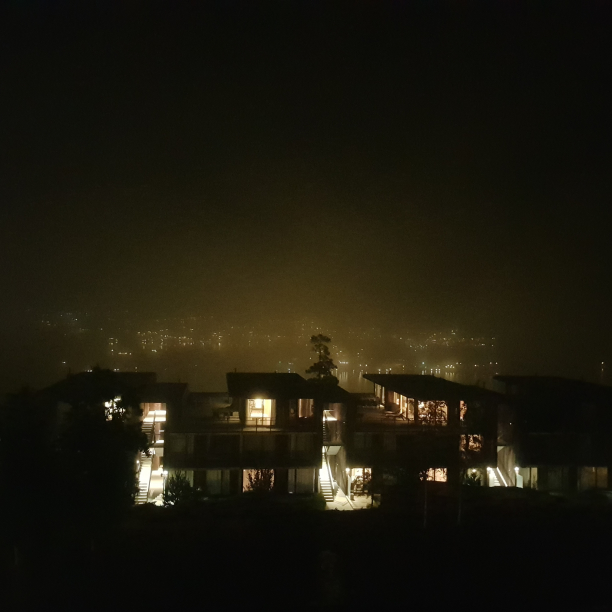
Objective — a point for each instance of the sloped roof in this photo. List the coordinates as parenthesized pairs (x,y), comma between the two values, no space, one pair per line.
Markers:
(427,387)
(163,392)
(556,385)
(283,385)
(266,384)
(332,393)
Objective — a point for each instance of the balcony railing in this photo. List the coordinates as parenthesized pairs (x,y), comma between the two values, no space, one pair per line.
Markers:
(377,418)
(260,423)
(248,458)
(381,418)
(230,421)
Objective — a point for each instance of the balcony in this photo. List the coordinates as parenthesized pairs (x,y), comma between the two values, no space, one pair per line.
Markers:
(260,424)
(378,418)
(370,418)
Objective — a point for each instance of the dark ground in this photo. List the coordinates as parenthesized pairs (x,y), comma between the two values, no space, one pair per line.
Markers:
(509,555)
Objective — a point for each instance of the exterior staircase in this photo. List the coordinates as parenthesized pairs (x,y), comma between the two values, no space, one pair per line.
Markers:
(144,477)
(144,473)
(325,483)
(147,428)
(493,480)
(326,438)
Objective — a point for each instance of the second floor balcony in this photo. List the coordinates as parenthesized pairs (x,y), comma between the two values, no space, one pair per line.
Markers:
(391,416)
(227,419)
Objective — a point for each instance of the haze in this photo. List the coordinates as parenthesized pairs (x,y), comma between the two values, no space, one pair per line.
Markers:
(409,170)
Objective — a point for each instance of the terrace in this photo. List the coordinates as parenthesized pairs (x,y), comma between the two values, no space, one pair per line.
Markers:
(403,414)
(226,419)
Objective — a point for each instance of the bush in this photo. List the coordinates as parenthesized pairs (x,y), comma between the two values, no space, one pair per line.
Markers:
(178,490)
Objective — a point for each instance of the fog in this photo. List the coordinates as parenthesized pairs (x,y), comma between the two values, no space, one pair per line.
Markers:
(388,168)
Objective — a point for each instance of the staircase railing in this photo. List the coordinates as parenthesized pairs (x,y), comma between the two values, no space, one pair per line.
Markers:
(332,481)
(325,431)
(148,429)
(501,477)
(509,478)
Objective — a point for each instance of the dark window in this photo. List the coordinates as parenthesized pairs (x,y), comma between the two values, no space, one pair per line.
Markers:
(235,484)
(282,446)
(199,479)
(377,441)
(301,443)
(200,446)
(218,482)
(389,442)
(281,480)
(225,447)
(363,440)
(258,444)
(403,444)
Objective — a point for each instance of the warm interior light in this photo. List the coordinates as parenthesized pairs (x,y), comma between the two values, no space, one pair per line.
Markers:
(259,403)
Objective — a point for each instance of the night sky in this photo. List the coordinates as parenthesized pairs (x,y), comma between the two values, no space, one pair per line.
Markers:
(394,164)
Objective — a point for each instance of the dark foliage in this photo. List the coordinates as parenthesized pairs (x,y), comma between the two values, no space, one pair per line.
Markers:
(179,491)
(68,465)
(323,368)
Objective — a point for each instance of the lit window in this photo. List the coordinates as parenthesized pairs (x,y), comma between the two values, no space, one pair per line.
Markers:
(305,408)
(405,406)
(437,474)
(261,480)
(256,408)
(433,413)
(471,443)
(261,410)
(360,480)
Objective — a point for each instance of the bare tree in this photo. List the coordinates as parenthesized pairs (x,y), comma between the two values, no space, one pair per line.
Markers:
(260,481)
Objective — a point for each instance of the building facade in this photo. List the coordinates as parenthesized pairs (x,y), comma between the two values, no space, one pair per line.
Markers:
(424,428)
(265,433)
(557,432)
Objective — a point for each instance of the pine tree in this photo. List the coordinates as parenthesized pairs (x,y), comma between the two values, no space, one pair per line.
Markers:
(324,366)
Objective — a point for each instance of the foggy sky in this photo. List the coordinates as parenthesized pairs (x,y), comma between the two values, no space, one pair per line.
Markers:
(397,166)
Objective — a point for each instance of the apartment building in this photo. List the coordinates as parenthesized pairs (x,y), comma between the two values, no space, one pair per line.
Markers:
(433,428)
(557,432)
(266,431)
